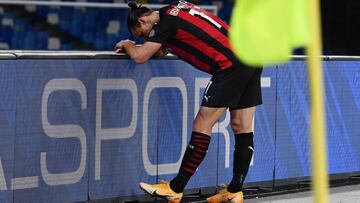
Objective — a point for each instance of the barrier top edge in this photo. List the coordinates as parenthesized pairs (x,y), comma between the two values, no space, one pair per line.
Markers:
(7,56)
(21,54)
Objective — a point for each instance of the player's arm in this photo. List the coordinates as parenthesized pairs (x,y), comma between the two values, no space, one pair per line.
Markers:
(161,53)
(138,53)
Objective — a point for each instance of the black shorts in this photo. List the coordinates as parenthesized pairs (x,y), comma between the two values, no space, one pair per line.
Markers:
(237,88)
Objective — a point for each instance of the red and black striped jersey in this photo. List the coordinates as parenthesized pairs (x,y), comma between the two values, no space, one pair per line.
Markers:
(194,35)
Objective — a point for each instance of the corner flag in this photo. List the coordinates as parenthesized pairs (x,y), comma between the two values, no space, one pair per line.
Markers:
(267,31)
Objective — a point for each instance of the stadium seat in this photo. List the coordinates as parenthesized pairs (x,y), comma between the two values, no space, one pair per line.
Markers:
(30,40)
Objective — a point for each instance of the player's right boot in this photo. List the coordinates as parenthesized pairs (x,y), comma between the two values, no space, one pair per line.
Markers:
(162,190)
(225,196)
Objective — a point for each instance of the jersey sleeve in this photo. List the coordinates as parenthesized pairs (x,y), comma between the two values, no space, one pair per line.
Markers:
(164,30)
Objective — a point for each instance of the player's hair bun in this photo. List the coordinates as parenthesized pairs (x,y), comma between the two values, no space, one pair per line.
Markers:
(136,12)
(133,5)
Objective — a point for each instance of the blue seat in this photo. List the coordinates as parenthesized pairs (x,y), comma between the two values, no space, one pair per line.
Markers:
(100,43)
(111,40)
(42,11)
(65,18)
(77,20)
(88,25)
(16,39)
(124,32)
(42,41)
(8,15)
(88,37)
(66,46)
(30,41)
(54,10)
(19,25)
(7,33)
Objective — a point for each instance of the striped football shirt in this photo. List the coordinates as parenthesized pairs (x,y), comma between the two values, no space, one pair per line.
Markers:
(194,35)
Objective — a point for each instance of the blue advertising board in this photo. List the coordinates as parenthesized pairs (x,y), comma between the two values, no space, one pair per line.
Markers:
(75,129)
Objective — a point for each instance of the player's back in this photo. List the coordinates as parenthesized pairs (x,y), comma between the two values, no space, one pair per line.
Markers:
(201,37)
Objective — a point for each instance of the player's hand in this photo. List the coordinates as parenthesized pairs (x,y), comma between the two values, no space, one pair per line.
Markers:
(119,47)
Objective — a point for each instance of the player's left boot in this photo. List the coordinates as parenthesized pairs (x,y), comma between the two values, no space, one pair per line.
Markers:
(225,196)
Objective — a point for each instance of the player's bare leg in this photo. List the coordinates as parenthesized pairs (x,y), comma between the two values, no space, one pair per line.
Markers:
(194,154)
(242,125)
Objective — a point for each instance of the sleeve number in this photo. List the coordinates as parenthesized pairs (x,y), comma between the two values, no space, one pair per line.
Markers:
(195,12)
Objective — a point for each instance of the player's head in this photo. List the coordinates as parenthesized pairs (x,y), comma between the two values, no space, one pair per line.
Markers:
(139,21)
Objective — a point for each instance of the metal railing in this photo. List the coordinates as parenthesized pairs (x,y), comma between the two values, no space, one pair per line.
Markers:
(20,54)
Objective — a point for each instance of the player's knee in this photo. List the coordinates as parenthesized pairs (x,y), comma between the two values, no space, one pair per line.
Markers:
(241,126)
(201,124)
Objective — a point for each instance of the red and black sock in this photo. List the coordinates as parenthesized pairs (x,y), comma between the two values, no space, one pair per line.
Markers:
(194,154)
(244,149)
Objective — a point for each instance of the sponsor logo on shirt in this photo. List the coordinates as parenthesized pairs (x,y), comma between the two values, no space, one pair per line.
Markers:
(174,11)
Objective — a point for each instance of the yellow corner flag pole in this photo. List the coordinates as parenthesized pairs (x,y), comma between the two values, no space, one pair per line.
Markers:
(318,126)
